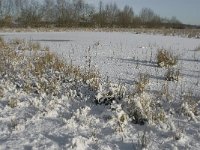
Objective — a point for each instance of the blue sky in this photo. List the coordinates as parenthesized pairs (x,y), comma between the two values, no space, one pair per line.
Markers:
(187,11)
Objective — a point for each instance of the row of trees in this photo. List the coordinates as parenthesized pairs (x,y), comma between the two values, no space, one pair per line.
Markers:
(77,13)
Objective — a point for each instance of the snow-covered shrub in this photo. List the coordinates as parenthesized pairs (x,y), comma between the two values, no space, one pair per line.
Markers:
(13,124)
(189,106)
(142,109)
(141,83)
(94,83)
(165,92)
(172,75)
(119,117)
(138,108)
(109,92)
(178,134)
(186,110)
(42,72)
(165,58)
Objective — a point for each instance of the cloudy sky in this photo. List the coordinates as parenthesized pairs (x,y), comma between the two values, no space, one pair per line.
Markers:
(187,11)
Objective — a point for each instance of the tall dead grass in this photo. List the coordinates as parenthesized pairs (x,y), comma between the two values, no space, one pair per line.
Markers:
(40,71)
(165,58)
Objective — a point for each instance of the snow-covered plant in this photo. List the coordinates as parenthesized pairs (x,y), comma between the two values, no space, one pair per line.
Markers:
(142,109)
(141,83)
(165,91)
(178,134)
(143,140)
(159,115)
(91,73)
(172,75)
(189,106)
(94,83)
(165,58)
(138,108)
(12,102)
(110,92)
(119,117)
(188,110)
(13,124)
(41,72)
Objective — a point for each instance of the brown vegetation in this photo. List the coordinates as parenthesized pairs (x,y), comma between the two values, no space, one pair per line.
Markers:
(77,13)
(165,58)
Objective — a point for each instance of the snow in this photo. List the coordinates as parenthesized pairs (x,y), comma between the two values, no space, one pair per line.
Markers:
(74,120)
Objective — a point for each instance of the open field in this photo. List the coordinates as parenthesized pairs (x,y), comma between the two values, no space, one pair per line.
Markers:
(190,33)
(113,94)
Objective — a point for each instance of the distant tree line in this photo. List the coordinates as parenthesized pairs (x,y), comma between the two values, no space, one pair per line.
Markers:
(77,13)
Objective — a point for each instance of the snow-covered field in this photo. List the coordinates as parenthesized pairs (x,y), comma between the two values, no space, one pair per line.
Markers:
(170,108)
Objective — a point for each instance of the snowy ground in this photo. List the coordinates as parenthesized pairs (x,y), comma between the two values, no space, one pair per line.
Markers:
(76,122)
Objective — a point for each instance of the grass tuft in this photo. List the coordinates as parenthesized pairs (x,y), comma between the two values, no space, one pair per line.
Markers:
(141,83)
(166,59)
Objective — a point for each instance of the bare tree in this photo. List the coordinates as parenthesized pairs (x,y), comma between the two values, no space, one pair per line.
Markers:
(77,13)
(111,12)
(1,9)
(31,15)
(147,15)
(49,10)
(126,17)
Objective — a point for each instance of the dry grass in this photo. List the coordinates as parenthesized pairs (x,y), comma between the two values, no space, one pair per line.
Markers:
(34,46)
(165,58)
(141,83)
(42,71)
(8,58)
